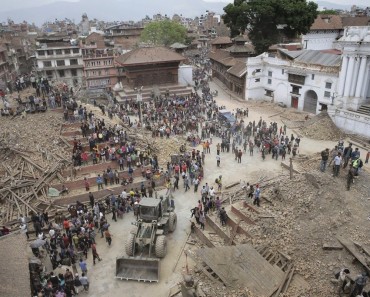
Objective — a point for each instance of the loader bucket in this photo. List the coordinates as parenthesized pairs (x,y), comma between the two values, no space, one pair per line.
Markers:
(140,269)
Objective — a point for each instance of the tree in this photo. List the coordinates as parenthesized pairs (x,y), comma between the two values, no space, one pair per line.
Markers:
(263,19)
(164,32)
(328,12)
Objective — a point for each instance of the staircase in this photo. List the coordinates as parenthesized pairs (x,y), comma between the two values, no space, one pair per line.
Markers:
(364,109)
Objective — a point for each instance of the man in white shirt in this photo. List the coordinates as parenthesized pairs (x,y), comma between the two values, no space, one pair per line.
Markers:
(337,163)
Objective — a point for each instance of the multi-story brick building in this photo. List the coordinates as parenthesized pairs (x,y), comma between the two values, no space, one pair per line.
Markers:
(99,69)
(59,59)
(125,35)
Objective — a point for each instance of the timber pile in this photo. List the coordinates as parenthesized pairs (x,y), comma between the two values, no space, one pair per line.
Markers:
(24,184)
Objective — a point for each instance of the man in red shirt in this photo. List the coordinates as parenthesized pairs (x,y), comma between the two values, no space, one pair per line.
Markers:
(66,225)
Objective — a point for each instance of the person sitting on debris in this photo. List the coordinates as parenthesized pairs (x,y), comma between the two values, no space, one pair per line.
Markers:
(344,282)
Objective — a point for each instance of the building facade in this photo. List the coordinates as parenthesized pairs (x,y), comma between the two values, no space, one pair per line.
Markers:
(99,66)
(305,80)
(60,60)
(149,66)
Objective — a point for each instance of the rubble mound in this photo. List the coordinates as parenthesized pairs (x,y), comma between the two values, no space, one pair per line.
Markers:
(321,127)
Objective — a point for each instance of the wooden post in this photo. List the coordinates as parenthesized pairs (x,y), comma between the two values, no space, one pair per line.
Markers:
(291,167)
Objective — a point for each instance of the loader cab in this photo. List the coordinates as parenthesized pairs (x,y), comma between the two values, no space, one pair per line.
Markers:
(152,209)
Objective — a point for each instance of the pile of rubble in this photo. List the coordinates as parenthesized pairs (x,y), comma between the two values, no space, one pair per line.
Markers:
(312,220)
(321,127)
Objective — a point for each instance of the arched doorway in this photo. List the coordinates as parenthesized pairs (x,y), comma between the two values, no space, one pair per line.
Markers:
(310,102)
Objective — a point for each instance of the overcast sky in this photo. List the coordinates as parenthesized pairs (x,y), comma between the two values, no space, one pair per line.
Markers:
(7,5)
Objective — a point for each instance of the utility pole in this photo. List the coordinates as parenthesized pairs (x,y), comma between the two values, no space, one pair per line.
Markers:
(139,99)
(291,167)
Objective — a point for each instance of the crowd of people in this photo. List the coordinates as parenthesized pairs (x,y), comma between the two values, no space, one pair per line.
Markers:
(341,157)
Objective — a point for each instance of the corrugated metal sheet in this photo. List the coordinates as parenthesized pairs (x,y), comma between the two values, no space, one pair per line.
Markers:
(318,58)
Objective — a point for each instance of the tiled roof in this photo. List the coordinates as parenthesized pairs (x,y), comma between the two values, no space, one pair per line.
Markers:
(222,57)
(149,55)
(247,48)
(327,22)
(222,40)
(239,69)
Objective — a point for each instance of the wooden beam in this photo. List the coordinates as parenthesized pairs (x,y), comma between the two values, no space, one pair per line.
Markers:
(351,248)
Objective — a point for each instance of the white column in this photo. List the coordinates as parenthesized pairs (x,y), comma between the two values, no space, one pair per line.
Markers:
(366,86)
(342,77)
(361,76)
(355,76)
(351,66)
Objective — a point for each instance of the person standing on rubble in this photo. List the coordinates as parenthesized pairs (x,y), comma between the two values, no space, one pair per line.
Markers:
(350,177)
(257,195)
(337,163)
(324,159)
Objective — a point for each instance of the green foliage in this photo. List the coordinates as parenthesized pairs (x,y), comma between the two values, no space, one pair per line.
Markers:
(328,11)
(260,18)
(164,32)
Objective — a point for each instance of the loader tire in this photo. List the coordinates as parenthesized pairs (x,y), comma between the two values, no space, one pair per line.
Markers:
(172,222)
(161,246)
(130,245)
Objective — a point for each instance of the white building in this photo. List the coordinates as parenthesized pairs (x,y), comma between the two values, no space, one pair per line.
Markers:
(60,61)
(352,102)
(304,79)
(354,88)
(325,30)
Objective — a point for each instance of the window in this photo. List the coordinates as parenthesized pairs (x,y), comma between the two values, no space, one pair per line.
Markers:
(50,52)
(41,53)
(258,70)
(282,71)
(270,73)
(257,80)
(269,81)
(67,51)
(74,72)
(60,63)
(76,50)
(73,62)
(296,79)
(295,90)
(327,94)
(61,73)
(49,73)
(312,76)
(47,63)
(268,93)
(58,52)
(328,85)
